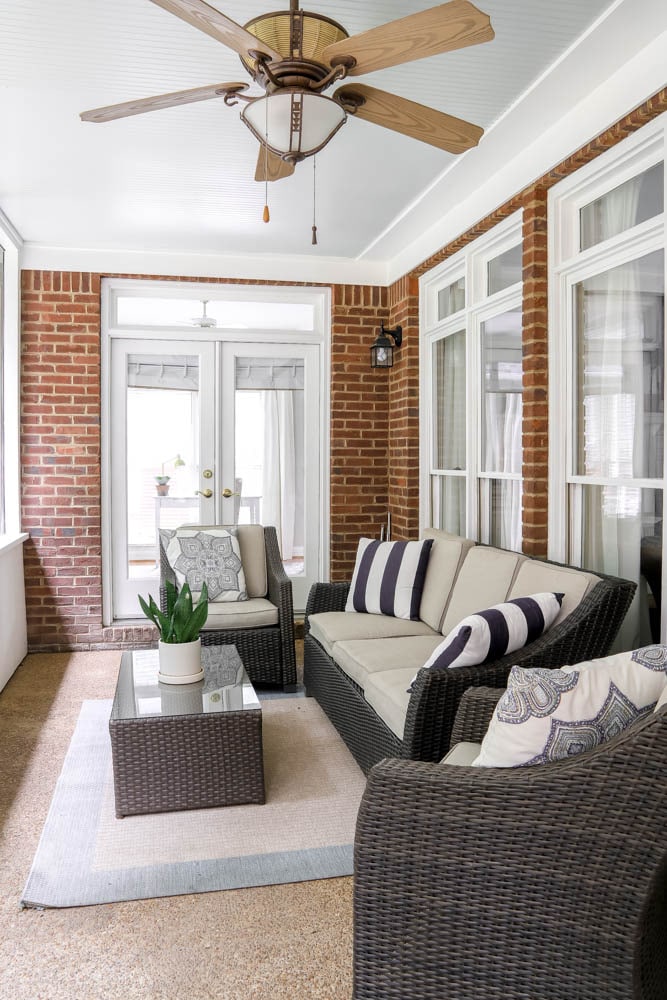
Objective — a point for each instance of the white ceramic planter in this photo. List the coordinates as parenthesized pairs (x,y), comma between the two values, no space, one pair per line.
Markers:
(180,662)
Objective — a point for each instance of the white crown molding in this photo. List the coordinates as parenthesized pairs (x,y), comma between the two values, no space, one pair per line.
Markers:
(256,267)
(9,231)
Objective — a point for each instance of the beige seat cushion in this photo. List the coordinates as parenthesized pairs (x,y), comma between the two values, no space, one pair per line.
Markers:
(330,627)
(361,657)
(387,693)
(447,554)
(536,577)
(483,580)
(253,554)
(252,613)
(462,754)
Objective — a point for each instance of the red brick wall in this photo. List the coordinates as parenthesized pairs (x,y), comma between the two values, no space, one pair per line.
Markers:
(374,419)
(60,451)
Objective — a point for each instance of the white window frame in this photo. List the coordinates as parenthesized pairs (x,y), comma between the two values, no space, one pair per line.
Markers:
(319,298)
(471,263)
(567,267)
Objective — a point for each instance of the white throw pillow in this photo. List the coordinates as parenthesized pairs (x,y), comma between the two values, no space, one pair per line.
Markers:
(212,556)
(546,715)
(388,578)
(488,635)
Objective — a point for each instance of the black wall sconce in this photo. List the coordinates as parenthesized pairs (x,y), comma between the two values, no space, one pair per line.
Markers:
(382,351)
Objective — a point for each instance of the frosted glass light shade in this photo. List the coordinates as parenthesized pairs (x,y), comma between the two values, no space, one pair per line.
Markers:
(293,124)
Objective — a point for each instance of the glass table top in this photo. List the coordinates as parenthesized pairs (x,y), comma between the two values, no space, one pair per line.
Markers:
(226,686)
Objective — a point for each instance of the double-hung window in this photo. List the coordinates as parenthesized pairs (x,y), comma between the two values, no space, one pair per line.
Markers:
(471,391)
(607,366)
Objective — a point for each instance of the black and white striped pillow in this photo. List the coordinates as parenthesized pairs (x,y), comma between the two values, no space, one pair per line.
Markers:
(488,635)
(389,577)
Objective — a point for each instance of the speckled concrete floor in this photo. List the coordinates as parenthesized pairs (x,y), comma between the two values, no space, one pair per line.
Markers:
(291,941)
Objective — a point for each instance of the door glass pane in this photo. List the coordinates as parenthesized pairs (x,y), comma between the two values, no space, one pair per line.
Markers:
(449,394)
(448,503)
(504,270)
(502,388)
(619,323)
(162,452)
(269,451)
(621,531)
(625,206)
(452,298)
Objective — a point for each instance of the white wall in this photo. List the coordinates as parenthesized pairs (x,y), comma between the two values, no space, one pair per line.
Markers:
(13,639)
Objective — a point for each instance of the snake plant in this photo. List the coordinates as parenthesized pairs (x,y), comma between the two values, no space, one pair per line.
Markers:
(182,621)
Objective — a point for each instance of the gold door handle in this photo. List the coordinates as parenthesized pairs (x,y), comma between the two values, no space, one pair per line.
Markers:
(227,493)
(204,493)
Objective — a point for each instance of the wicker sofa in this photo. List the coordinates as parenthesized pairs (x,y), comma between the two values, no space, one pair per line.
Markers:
(546,882)
(359,666)
(261,628)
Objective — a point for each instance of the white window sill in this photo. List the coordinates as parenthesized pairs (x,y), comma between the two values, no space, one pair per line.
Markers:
(8,542)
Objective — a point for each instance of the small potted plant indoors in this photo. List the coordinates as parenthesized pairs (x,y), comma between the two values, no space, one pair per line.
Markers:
(179,627)
(162,485)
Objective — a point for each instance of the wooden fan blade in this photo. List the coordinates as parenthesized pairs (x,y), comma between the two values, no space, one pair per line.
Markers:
(400,115)
(144,104)
(271,167)
(441,29)
(209,20)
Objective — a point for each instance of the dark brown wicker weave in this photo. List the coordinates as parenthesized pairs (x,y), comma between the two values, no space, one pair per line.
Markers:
(267,651)
(535,883)
(586,633)
(191,761)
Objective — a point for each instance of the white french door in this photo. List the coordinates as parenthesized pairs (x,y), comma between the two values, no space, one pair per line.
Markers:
(269,450)
(162,445)
(211,432)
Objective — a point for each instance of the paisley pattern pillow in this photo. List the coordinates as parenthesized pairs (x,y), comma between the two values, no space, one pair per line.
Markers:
(212,556)
(545,715)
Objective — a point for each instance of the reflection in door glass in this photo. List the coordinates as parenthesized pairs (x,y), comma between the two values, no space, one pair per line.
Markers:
(162,458)
(270,450)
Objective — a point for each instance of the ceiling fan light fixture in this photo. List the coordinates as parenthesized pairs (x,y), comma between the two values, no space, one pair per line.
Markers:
(294,124)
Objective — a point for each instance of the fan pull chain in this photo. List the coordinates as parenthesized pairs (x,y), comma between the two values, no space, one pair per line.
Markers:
(266,217)
(314,226)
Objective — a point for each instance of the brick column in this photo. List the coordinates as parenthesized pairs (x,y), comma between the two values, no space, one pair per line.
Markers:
(403,444)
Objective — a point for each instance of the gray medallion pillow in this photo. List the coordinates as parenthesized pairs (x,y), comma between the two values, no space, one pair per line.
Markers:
(212,556)
(545,715)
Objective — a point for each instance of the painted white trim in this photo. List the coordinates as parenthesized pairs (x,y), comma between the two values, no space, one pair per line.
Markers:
(8,542)
(470,263)
(567,267)
(319,337)
(256,267)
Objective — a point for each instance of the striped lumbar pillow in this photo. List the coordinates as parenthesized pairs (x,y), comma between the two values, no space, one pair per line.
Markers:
(488,635)
(389,577)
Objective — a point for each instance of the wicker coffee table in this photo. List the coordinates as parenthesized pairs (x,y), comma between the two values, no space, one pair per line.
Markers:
(185,746)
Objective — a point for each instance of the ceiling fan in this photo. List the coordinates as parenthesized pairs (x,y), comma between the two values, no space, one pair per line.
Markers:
(295,55)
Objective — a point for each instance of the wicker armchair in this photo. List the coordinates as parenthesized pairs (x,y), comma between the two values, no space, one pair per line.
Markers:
(586,633)
(535,883)
(267,651)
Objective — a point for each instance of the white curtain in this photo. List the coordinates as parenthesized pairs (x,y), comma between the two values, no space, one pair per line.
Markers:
(279,473)
(503,453)
(451,429)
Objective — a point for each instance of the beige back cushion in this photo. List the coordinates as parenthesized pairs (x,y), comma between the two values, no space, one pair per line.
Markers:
(253,554)
(536,577)
(484,579)
(447,554)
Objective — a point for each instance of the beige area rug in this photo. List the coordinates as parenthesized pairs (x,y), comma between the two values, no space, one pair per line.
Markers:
(304,831)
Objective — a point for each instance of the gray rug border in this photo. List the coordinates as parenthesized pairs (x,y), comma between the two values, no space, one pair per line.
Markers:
(49,881)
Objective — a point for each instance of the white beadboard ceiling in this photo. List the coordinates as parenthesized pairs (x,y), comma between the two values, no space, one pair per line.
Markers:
(180,181)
